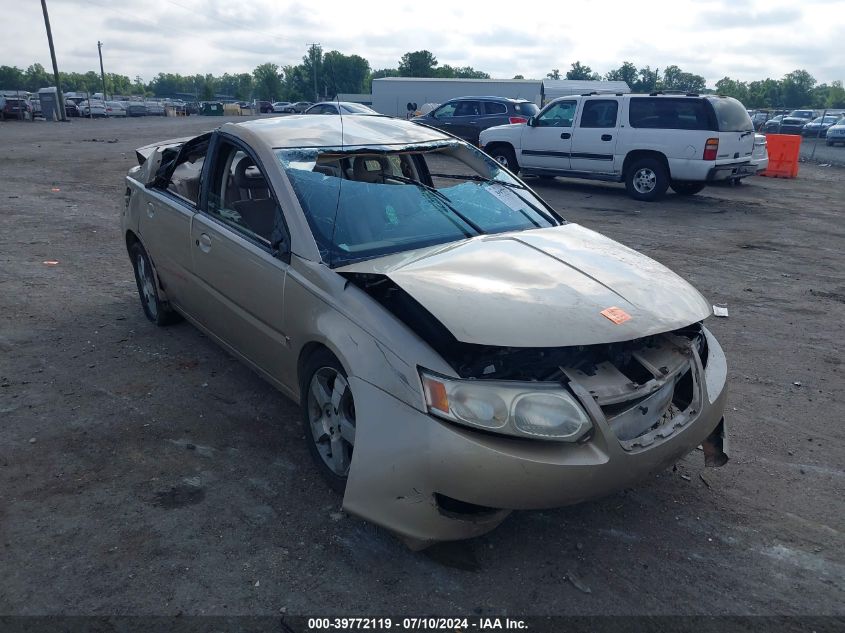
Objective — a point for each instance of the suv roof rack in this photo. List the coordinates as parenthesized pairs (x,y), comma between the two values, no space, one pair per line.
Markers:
(695,94)
(589,94)
(654,94)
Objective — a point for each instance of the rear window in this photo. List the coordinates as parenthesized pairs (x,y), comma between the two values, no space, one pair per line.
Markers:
(672,114)
(527,108)
(494,107)
(731,115)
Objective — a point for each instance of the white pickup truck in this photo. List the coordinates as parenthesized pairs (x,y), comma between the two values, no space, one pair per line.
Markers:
(649,142)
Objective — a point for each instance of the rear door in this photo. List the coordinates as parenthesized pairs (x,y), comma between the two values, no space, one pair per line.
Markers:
(547,144)
(736,131)
(239,274)
(465,120)
(594,138)
(495,113)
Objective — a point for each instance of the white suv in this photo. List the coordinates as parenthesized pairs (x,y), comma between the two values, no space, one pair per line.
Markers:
(649,142)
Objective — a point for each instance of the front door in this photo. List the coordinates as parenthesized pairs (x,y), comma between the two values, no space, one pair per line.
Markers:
(239,277)
(546,144)
(165,221)
(594,139)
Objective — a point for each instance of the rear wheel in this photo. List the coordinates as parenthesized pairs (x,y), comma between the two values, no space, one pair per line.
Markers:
(646,179)
(155,309)
(328,417)
(504,155)
(686,188)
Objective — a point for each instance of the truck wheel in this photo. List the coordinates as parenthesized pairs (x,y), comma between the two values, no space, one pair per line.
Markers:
(504,155)
(686,188)
(646,179)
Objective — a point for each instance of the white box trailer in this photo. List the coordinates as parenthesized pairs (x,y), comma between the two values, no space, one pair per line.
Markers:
(391,95)
(554,88)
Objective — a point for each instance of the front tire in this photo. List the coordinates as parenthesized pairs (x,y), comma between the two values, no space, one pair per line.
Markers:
(505,156)
(155,309)
(646,179)
(328,417)
(686,188)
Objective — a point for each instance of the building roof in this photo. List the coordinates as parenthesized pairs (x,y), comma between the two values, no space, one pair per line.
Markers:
(454,79)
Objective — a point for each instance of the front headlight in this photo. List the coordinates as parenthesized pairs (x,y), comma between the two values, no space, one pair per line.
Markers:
(536,410)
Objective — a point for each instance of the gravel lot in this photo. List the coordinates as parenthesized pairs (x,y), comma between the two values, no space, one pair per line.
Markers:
(144,471)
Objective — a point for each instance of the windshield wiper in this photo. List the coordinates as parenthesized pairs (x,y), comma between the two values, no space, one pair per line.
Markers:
(440,196)
(476,178)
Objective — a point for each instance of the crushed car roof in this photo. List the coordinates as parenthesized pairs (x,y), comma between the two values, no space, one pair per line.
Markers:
(309,130)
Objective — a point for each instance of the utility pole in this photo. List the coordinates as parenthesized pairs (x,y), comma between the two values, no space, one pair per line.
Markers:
(102,74)
(314,66)
(60,97)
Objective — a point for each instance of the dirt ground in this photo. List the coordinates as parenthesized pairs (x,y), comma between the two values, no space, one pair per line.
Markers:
(144,471)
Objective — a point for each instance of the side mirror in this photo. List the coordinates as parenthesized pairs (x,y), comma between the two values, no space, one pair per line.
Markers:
(531,122)
(281,248)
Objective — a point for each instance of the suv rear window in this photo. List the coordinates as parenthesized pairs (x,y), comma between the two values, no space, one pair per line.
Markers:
(527,108)
(731,115)
(664,113)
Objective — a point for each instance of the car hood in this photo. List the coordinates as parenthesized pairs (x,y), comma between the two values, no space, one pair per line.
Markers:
(542,288)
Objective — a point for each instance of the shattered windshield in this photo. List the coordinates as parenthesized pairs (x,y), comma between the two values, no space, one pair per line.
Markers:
(367,202)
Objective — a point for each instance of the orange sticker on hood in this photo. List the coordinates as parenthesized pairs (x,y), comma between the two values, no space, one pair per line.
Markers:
(617,315)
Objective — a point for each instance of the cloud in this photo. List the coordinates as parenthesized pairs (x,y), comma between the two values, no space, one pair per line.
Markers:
(746,40)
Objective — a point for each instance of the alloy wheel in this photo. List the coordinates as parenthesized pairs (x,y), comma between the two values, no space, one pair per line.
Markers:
(331,414)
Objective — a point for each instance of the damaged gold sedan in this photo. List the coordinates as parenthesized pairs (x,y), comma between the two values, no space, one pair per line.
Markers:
(458,349)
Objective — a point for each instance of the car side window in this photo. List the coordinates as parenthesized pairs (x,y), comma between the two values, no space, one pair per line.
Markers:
(494,107)
(599,113)
(446,111)
(560,114)
(468,108)
(185,179)
(239,196)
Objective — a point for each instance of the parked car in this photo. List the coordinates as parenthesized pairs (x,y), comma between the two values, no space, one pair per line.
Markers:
(819,126)
(192,107)
(72,109)
(836,133)
(281,106)
(35,104)
(466,117)
(115,109)
(15,108)
(649,142)
(135,108)
(299,107)
(786,125)
(154,108)
(264,107)
(93,109)
(807,115)
(346,107)
(759,119)
(457,349)
(772,124)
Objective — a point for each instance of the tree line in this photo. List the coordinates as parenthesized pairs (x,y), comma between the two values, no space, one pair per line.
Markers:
(322,74)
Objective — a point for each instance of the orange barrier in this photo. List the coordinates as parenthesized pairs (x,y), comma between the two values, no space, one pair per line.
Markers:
(783,155)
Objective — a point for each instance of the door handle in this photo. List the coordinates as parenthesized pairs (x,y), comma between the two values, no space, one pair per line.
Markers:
(565,135)
(204,242)
(606,137)
(151,210)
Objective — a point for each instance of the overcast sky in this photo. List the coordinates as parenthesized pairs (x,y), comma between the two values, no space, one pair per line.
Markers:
(744,39)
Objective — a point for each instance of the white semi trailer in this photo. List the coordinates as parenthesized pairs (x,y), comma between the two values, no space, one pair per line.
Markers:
(393,95)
